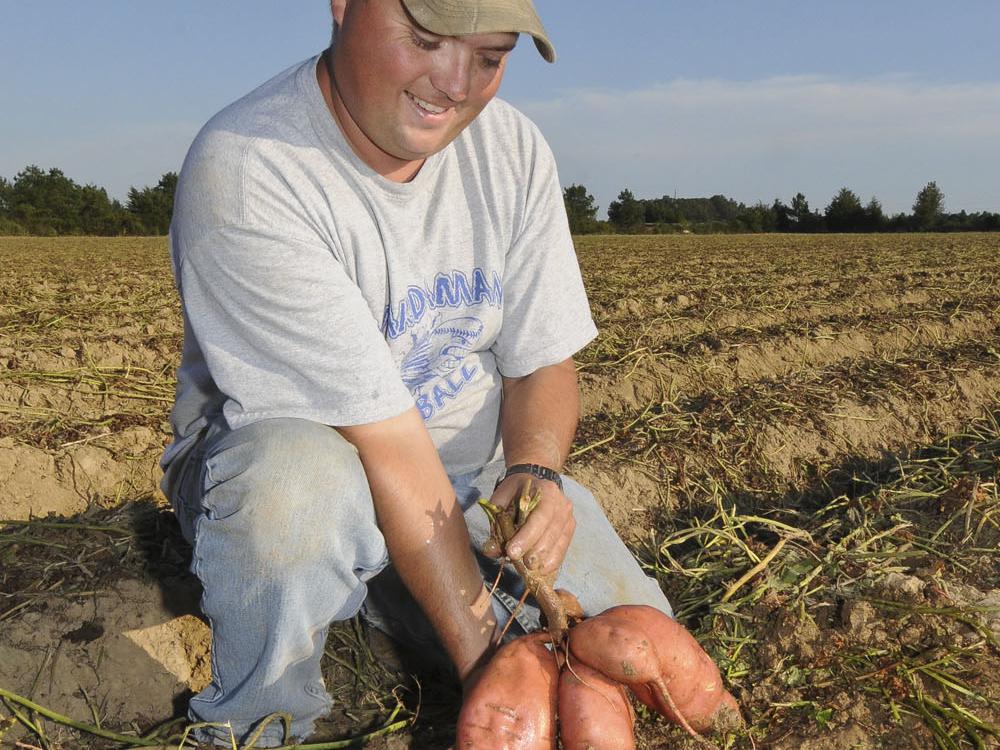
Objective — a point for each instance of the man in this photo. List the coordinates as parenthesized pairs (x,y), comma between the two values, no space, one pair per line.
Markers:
(381,303)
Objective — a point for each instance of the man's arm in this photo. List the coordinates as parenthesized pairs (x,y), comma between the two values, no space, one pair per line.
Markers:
(425,533)
(538,420)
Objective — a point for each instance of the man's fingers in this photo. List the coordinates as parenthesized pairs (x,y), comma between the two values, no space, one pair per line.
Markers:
(539,524)
(543,540)
(491,548)
(552,559)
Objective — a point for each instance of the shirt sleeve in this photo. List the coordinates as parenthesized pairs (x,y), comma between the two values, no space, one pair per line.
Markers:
(285,332)
(546,316)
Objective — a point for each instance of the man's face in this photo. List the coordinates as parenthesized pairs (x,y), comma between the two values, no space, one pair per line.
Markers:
(402,93)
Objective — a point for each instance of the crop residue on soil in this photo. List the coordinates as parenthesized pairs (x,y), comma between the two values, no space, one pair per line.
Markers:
(797,435)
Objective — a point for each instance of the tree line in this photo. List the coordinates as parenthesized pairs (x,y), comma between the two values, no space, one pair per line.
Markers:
(50,203)
(844,213)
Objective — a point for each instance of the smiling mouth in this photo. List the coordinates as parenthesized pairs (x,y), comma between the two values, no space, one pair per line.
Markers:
(426,106)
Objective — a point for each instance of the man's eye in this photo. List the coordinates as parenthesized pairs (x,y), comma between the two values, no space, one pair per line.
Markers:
(491,62)
(425,44)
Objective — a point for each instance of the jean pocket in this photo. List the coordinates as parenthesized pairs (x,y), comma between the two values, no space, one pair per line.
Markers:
(220,495)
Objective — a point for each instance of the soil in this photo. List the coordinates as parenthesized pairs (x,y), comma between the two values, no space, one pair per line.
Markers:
(784,377)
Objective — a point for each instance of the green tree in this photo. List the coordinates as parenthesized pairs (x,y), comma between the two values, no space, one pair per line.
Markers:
(929,207)
(802,218)
(581,210)
(7,223)
(721,207)
(4,198)
(845,212)
(782,216)
(50,203)
(758,218)
(875,219)
(44,202)
(661,211)
(627,213)
(985,221)
(98,214)
(152,207)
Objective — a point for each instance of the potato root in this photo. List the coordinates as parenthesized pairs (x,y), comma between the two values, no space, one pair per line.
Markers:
(594,711)
(504,525)
(661,662)
(513,705)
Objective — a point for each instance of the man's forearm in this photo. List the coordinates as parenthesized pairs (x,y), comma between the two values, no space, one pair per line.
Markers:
(425,533)
(538,420)
(539,416)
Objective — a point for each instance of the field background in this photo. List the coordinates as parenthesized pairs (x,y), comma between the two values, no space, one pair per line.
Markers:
(796,434)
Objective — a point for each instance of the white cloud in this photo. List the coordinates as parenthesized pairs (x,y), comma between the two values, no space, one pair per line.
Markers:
(758,140)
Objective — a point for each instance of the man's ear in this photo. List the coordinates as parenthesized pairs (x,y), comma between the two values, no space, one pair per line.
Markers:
(338,7)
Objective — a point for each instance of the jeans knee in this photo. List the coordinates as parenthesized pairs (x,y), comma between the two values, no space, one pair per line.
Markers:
(287,487)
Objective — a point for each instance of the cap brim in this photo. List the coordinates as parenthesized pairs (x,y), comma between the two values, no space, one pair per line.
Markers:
(545,48)
(455,18)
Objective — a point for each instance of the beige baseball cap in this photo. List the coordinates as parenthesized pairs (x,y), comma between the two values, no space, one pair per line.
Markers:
(458,17)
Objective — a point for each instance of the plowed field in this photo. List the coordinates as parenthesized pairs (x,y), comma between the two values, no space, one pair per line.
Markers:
(797,435)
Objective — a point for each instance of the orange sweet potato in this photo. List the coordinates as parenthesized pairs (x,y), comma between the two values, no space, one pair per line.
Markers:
(594,711)
(617,648)
(513,705)
(660,661)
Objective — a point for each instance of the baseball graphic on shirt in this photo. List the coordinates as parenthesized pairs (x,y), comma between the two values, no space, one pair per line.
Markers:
(439,350)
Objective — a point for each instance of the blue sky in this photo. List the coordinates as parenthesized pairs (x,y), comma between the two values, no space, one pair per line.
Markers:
(752,99)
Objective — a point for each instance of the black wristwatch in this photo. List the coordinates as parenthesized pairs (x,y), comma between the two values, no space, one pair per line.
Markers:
(536,470)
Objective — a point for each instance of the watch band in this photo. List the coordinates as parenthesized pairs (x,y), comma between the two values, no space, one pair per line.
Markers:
(536,470)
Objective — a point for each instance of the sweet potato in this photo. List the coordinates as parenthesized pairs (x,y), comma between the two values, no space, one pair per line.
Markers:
(693,680)
(617,648)
(666,668)
(513,705)
(594,711)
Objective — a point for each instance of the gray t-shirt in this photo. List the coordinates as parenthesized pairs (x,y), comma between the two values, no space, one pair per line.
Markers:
(312,287)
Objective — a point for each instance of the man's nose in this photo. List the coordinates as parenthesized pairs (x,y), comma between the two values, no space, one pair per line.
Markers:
(453,71)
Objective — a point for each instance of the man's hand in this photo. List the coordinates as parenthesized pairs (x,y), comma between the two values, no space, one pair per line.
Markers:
(543,540)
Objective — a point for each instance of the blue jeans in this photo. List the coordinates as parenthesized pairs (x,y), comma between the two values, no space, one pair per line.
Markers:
(285,542)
